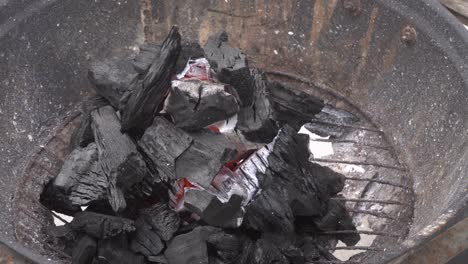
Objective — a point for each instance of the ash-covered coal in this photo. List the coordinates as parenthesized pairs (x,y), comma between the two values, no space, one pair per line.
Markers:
(164,183)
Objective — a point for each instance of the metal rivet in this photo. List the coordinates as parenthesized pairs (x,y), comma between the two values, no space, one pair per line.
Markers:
(353,6)
(408,35)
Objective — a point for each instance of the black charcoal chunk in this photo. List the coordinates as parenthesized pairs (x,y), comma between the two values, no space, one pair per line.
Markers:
(78,163)
(84,250)
(148,53)
(201,162)
(256,121)
(221,214)
(118,156)
(145,240)
(163,220)
(337,218)
(115,251)
(92,186)
(149,92)
(190,50)
(231,66)
(163,143)
(101,226)
(331,182)
(195,104)
(191,247)
(266,252)
(227,246)
(83,136)
(112,77)
(292,106)
(75,166)
(331,121)
(197,200)
(158,259)
(270,213)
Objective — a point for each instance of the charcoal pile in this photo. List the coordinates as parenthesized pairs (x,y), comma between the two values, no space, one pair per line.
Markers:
(157,175)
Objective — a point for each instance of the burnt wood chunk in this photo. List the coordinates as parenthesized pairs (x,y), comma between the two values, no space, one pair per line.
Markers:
(78,163)
(84,250)
(149,92)
(231,66)
(270,213)
(145,240)
(75,166)
(331,121)
(292,106)
(266,252)
(190,247)
(92,186)
(101,226)
(200,162)
(83,136)
(195,104)
(115,251)
(163,220)
(118,156)
(112,77)
(190,50)
(337,218)
(227,246)
(148,53)
(256,121)
(163,143)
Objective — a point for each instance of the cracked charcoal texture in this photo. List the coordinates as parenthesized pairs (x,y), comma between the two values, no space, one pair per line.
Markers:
(118,156)
(163,220)
(163,143)
(100,225)
(148,93)
(231,66)
(194,104)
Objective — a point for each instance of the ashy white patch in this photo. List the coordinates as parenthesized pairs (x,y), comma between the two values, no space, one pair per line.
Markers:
(317,148)
(59,222)
(354,168)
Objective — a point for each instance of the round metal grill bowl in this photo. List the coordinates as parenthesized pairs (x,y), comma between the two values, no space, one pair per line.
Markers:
(401,66)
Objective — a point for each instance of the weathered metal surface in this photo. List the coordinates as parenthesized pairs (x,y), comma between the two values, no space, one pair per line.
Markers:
(442,248)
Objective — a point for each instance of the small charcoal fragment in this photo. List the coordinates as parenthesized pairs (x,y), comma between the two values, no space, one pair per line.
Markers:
(231,66)
(145,240)
(115,251)
(112,77)
(163,143)
(92,186)
(195,104)
(256,121)
(221,214)
(120,161)
(337,218)
(76,164)
(197,200)
(148,93)
(163,220)
(83,136)
(270,212)
(191,247)
(190,50)
(84,250)
(227,247)
(292,106)
(200,162)
(55,195)
(101,226)
(266,252)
